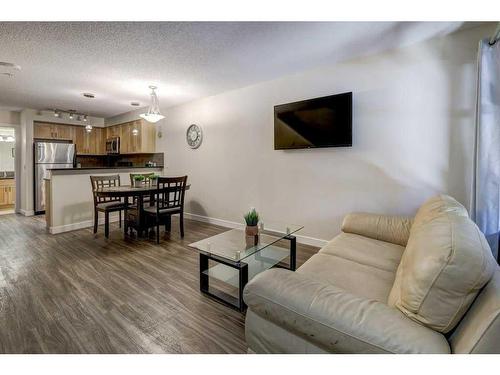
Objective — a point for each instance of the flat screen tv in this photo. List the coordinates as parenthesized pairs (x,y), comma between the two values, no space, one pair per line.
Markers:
(319,122)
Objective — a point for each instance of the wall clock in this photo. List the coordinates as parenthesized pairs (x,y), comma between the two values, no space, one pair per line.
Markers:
(194,136)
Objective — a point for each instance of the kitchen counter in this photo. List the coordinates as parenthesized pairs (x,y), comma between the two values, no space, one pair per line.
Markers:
(86,170)
(69,199)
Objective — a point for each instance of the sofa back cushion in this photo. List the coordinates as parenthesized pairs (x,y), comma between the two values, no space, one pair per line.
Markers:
(445,264)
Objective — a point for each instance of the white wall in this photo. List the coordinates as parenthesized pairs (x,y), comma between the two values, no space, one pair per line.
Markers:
(412,132)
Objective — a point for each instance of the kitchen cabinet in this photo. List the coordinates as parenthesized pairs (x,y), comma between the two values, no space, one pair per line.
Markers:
(7,192)
(137,137)
(89,143)
(113,131)
(47,130)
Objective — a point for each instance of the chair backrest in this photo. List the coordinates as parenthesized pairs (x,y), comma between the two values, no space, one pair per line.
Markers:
(170,192)
(99,182)
(147,177)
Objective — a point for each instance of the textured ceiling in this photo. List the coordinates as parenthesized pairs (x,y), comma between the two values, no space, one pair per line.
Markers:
(117,61)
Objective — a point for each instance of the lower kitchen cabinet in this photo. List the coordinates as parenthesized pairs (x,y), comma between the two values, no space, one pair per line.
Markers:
(7,192)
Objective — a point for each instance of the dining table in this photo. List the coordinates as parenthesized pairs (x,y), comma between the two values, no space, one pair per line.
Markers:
(130,191)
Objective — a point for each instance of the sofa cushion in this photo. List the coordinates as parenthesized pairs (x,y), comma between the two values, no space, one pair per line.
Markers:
(360,265)
(364,250)
(447,261)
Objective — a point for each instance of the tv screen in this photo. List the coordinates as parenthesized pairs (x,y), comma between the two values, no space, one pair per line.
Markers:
(319,122)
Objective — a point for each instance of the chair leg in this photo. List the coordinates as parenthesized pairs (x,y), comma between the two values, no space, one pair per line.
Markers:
(120,218)
(157,230)
(181,222)
(106,224)
(168,223)
(96,220)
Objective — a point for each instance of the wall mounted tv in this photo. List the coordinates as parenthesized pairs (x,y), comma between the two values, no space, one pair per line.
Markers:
(319,122)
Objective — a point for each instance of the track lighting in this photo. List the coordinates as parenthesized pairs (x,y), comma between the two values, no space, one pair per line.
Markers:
(72,114)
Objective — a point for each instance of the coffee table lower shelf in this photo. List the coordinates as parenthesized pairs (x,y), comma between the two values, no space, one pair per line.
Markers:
(237,274)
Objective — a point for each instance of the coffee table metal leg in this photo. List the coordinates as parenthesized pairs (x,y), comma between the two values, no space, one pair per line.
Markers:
(293,252)
(219,295)
(203,276)
(243,277)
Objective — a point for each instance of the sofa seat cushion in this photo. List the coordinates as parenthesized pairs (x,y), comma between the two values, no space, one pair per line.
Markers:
(363,250)
(445,264)
(356,278)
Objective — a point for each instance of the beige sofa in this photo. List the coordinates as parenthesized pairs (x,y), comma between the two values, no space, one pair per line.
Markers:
(384,285)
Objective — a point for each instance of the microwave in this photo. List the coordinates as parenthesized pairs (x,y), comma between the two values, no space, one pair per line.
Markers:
(113,145)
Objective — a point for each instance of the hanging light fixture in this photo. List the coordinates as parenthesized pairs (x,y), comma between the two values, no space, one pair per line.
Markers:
(153,114)
(88,128)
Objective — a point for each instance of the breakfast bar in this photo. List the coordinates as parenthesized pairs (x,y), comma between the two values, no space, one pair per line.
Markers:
(69,199)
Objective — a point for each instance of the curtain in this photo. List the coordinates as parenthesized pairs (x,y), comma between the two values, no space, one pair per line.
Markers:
(485,202)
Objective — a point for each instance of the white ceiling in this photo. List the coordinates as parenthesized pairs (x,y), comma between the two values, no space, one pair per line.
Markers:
(117,61)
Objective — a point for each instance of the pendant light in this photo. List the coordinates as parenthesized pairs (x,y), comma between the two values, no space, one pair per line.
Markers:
(153,114)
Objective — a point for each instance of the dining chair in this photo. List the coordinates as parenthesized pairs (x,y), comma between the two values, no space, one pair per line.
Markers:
(168,201)
(147,180)
(106,204)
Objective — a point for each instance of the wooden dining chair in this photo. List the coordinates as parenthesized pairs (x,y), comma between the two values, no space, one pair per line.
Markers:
(147,180)
(106,204)
(147,177)
(168,201)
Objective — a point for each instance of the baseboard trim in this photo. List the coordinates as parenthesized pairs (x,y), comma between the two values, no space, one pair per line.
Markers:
(26,212)
(231,224)
(80,225)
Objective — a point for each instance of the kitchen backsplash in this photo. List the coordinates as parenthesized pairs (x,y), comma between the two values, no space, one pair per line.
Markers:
(134,160)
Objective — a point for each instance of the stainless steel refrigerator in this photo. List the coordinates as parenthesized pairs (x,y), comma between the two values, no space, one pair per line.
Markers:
(50,155)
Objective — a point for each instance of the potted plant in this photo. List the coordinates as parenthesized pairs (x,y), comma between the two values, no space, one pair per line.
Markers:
(154,179)
(138,180)
(251,219)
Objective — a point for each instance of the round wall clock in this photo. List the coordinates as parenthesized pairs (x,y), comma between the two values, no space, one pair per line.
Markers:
(194,136)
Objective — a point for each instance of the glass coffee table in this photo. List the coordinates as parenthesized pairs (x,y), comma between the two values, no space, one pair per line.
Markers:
(239,258)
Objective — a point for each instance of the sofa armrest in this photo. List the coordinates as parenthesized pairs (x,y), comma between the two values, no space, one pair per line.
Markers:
(394,229)
(334,319)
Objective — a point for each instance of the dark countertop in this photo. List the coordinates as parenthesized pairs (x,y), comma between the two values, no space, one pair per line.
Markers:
(90,168)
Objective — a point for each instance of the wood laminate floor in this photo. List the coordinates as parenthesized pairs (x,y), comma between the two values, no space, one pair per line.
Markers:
(79,293)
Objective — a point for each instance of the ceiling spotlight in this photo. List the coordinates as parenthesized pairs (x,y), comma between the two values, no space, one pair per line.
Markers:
(57,113)
(10,139)
(85,118)
(78,118)
(153,114)
(88,128)
(135,131)
(71,115)
(1,138)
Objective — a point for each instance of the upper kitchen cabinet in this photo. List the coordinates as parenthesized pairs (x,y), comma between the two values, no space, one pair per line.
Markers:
(47,130)
(136,137)
(113,131)
(89,143)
